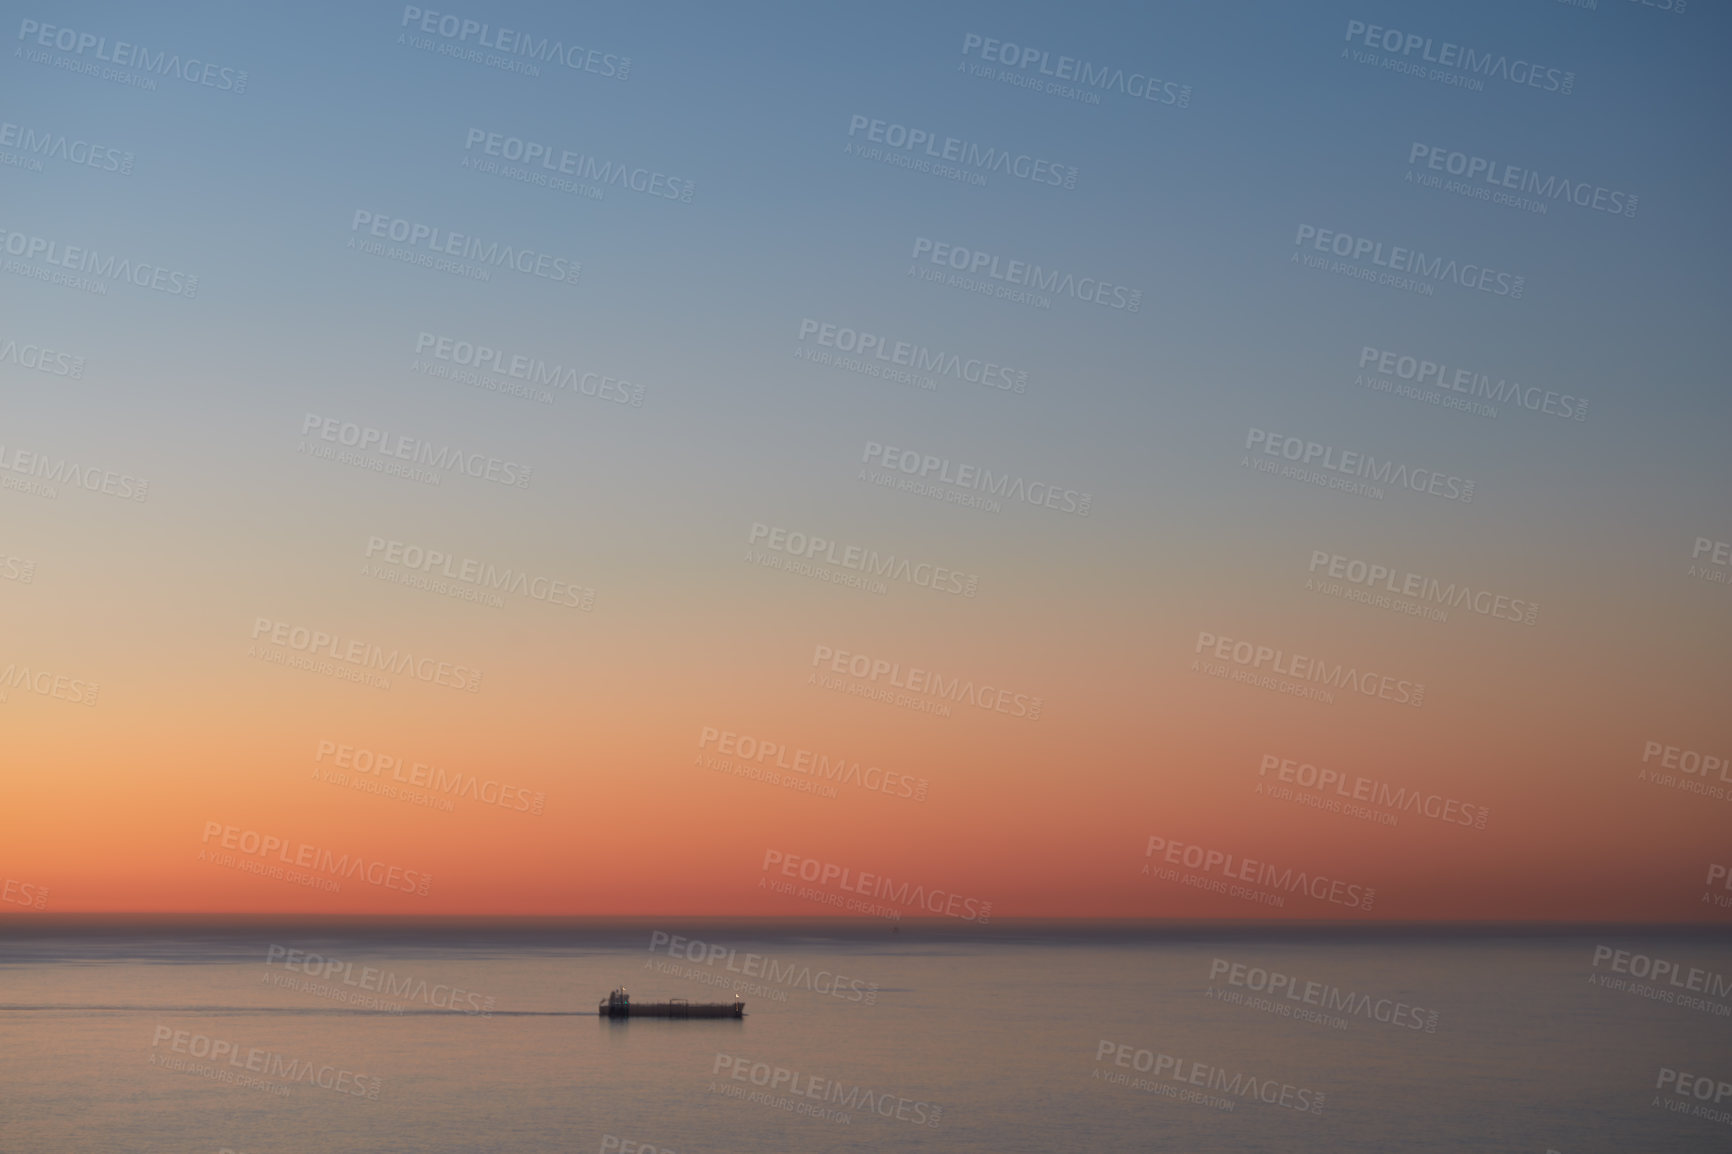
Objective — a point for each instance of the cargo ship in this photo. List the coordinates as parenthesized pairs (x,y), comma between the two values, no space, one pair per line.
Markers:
(619,1005)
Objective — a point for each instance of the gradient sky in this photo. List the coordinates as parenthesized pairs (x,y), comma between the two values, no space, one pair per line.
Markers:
(700,305)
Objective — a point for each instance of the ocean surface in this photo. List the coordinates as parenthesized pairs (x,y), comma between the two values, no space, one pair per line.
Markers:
(259,1037)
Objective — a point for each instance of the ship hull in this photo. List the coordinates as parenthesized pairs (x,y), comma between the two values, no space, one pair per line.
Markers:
(674,1010)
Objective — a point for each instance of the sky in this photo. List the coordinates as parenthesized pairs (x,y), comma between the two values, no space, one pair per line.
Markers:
(1195,461)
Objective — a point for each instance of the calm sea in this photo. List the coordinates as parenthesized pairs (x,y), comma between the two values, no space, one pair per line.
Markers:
(260,1037)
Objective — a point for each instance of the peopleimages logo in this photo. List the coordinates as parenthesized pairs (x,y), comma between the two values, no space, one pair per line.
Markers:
(1717,568)
(46,683)
(98,269)
(873,778)
(1702,1088)
(444,242)
(1687,761)
(1503,180)
(1350,463)
(844,1095)
(1324,995)
(535,371)
(136,56)
(792,975)
(1193,1073)
(258,846)
(1315,886)
(1411,262)
(846,878)
(1022,274)
(1471,383)
(557,161)
(19,569)
(459,30)
(1429,592)
(1280,663)
(1674,975)
(864,667)
(31,897)
(912,355)
(37,145)
(810,547)
(1459,57)
(1400,799)
(64,471)
(942,470)
(480,574)
(398,447)
(301,639)
(1079,75)
(270,1063)
(1722,874)
(491,791)
(1717,552)
(1035,169)
(42,360)
(383,982)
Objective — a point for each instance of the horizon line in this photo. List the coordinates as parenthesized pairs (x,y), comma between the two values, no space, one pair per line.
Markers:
(164,917)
